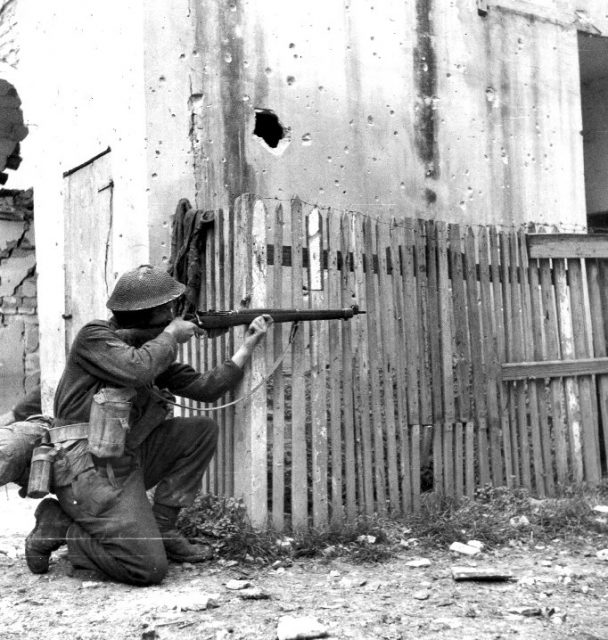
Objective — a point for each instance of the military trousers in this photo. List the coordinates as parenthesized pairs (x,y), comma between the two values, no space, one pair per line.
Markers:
(114,530)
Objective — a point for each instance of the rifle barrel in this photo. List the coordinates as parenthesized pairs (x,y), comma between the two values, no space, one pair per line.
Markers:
(225,319)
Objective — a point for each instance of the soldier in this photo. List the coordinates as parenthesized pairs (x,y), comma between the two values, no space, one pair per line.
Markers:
(102,509)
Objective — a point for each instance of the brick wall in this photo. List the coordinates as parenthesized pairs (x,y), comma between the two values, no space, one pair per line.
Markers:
(19,362)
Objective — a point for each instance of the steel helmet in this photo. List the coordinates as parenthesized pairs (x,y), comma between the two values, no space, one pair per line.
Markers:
(144,288)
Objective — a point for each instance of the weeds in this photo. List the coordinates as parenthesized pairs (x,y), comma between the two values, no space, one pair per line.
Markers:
(496,517)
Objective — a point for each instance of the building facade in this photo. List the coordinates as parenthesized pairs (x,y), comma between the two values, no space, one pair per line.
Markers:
(464,110)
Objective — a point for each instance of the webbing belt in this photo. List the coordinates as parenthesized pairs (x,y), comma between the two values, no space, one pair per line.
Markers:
(78,431)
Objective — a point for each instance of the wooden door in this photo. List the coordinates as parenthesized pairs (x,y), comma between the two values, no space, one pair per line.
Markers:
(88,192)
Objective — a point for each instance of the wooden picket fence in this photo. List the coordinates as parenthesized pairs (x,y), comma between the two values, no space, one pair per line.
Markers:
(434,388)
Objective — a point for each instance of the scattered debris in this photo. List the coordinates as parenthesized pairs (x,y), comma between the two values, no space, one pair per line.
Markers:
(602,555)
(254,593)
(423,594)
(290,628)
(367,539)
(349,583)
(409,543)
(528,612)
(481,573)
(476,543)
(465,549)
(202,603)
(418,563)
(90,584)
(519,521)
(601,508)
(237,585)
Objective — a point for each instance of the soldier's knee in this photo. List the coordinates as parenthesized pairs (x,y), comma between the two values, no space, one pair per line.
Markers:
(153,571)
(157,572)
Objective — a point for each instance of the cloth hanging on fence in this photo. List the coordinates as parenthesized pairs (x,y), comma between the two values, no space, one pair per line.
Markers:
(187,238)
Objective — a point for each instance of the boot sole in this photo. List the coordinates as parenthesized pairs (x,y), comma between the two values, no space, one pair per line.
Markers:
(38,561)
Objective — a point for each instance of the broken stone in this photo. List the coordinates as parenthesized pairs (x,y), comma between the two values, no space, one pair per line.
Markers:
(90,584)
(291,628)
(481,573)
(367,539)
(465,549)
(519,521)
(236,585)
(418,563)
(602,555)
(476,543)
(409,543)
(526,611)
(254,593)
(423,594)
(601,508)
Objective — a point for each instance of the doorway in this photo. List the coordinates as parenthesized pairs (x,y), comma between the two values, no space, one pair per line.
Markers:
(593,59)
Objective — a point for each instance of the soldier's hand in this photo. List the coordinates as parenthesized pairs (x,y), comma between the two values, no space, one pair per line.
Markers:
(182,330)
(257,329)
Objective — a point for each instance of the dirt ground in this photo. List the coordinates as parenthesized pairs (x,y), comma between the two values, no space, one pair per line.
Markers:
(557,591)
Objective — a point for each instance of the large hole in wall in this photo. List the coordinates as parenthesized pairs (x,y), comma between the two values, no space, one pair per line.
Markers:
(270,131)
(593,60)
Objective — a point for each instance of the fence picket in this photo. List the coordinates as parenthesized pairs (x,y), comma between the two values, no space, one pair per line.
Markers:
(374,321)
(509,428)
(398,274)
(567,350)
(589,435)
(337,397)
(278,381)
(528,352)
(491,358)
(299,475)
(366,469)
(318,352)
(553,352)
(478,367)
(434,329)
(386,308)
(441,468)
(537,353)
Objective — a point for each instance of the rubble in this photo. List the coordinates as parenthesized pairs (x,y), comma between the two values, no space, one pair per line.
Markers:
(465,549)
(290,628)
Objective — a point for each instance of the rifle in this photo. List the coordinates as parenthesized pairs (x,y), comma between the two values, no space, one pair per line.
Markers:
(224,319)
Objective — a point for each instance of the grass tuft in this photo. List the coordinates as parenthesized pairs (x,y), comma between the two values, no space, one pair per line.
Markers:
(496,517)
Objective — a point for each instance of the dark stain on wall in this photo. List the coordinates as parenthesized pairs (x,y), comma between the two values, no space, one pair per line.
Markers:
(236,110)
(425,78)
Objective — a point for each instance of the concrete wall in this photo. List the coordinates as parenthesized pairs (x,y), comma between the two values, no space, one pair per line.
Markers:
(405,108)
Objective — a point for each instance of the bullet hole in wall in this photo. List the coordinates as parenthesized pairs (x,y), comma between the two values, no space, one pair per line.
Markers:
(268,127)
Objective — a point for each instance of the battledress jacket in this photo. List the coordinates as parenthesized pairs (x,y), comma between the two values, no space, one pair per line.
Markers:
(104,355)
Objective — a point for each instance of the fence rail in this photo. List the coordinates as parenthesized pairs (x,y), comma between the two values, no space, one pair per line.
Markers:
(418,394)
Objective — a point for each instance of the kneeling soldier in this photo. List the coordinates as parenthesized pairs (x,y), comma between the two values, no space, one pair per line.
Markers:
(102,509)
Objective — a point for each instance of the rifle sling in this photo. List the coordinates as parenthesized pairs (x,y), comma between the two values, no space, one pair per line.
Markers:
(264,380)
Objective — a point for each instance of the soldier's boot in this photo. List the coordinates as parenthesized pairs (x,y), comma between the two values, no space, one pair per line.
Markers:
(52,525)
(177,547)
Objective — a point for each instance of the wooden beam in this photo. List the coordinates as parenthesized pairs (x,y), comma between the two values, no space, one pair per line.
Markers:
(567,245)
(554,368)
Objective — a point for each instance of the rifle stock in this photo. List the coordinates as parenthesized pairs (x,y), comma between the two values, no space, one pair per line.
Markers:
(225,319)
